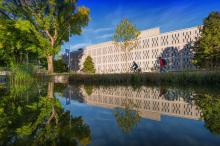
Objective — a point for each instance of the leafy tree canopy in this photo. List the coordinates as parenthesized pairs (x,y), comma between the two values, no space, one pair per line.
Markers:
(126,35)
(60,66)
(16,41)
(49,21)
(207,48)
(126,38)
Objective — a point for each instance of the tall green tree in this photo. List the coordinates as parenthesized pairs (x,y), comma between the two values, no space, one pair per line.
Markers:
(51,21)
(88,65)
(126,38)
(60,66)
(207,48)
(16,42)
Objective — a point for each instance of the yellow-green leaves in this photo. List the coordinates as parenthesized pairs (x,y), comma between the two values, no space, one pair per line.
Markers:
(1,45)
(23,25)
(125,31)
(24,130)
(126,38)
(83,11)
(207,48)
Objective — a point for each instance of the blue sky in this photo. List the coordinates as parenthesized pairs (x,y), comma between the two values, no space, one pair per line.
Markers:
(166,14)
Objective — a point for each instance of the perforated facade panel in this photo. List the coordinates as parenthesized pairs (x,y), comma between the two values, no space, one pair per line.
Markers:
(172,46)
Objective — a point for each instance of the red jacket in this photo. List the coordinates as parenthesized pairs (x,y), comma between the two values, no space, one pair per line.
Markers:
(161,62)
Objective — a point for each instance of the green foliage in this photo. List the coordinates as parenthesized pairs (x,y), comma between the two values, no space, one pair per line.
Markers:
(88,89)
(135,79)
(16,41)
(126,37)
(21,73)
(207,48)
(60,66)
(23,25)
(126,118)
(210,108)
(49,22)
(125,33)
(204,78)
(31,119)
(88,65)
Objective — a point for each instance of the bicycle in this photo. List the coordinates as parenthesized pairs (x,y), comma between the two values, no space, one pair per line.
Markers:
(138,70)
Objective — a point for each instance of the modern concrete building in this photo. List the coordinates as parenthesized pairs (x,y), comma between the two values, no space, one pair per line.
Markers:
(172,46)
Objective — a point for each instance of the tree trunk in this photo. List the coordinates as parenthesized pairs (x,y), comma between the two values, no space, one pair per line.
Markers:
(50,64)
(50,90)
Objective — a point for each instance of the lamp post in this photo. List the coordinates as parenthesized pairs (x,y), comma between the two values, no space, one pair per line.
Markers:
(69,61)
(69,51)
(27,59)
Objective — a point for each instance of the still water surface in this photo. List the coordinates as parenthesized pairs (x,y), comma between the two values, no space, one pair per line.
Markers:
(57,114)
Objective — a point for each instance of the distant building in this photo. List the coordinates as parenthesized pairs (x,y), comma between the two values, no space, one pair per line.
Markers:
(173,46)
(74,60)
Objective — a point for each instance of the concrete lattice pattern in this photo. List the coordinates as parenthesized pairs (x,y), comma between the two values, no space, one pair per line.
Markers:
(173,46)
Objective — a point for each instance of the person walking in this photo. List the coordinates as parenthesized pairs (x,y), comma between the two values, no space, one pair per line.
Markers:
(162,64)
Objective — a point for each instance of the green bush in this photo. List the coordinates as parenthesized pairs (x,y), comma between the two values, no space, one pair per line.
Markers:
(60,66)
(21,72)
(209,78)
(88,65)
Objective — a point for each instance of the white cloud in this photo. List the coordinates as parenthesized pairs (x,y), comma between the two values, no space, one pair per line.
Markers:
(98,30)
(77,46)
(105,36)
(103,29)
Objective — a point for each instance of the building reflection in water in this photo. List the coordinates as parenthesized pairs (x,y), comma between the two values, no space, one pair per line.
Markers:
(150,102)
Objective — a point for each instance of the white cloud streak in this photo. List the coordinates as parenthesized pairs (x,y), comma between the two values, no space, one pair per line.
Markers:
(98,30)
(105,36)
(77,46)
(103,29)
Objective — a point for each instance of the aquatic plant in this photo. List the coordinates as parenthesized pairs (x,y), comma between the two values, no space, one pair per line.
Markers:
(177,78)
(21,73)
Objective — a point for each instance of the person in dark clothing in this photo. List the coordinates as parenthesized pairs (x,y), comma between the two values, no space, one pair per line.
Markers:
(162,64)
(134,66)
(162,91)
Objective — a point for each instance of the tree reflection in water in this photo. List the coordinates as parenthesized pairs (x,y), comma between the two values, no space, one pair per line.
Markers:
(210,111)
(88,89)
(209,105)
(128,116)
(38,120)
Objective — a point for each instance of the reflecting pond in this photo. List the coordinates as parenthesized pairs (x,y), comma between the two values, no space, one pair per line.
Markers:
(41,113)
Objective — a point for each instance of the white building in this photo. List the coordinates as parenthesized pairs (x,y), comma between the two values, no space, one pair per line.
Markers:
(172,46)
